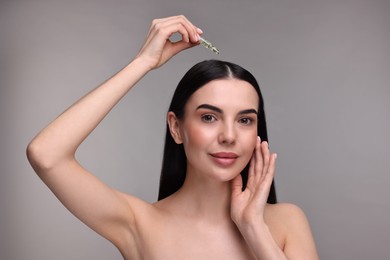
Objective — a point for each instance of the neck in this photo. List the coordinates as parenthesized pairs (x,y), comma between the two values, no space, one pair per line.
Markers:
(203,198)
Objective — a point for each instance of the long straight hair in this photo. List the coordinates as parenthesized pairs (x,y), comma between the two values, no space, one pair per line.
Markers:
(174,165)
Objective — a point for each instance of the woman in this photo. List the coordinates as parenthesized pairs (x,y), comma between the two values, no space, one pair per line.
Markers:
(206,214)
(175,161)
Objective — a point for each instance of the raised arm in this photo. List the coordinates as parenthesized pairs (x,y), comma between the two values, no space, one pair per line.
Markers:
(52,152)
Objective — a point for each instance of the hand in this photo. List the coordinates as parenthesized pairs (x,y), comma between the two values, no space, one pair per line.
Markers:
(247,207)
(158,48)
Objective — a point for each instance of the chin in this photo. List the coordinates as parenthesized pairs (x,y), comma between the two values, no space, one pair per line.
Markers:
(227,175)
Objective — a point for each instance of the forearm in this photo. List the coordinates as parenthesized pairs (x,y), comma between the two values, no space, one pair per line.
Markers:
(261,242)
(61,138)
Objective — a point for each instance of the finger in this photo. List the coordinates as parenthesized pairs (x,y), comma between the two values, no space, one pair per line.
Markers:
(271,168)
(266,157)
(178,47)
(160,34)
(153,27)
(181,29)
(169,27)
(191,28)
(251,173)
(192,32)
(259,161)
(269,176)
(237,185)
(161,27)
(264,187)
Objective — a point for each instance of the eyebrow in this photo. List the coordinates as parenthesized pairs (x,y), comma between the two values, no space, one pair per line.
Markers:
(218,110)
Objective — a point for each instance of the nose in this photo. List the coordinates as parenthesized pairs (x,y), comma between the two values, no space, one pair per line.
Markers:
(227,134)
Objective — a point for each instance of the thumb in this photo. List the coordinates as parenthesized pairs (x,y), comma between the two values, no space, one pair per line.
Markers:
(172,49)
(180,46)
(237,185)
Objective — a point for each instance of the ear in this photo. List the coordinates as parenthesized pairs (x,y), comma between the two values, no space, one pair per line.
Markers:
(174,127)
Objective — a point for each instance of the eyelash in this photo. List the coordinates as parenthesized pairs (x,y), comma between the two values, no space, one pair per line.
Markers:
(208,118)
(248,119)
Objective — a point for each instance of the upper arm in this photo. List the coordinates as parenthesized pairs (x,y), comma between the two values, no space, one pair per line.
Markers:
(299,243)
(105,210)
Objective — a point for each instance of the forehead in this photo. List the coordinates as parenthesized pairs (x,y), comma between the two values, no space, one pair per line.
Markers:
(226,93)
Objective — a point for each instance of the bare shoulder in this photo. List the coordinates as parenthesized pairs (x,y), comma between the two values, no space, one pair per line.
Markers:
(289,224)
(281,218)
(285,213)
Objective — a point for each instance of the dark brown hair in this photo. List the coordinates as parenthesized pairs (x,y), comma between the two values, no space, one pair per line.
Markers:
(174,164)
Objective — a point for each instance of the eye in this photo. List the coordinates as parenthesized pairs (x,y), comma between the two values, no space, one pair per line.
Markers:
(245,121)
(208,118)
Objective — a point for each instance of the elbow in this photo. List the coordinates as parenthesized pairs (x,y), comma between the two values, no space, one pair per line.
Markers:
(39,157)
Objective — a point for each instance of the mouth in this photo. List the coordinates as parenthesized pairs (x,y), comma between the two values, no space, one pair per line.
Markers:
(224,159)
(226,155)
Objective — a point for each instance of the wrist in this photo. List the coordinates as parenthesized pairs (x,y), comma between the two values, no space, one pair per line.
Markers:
(143,64)
(259,238)
(251,228)
(249,221)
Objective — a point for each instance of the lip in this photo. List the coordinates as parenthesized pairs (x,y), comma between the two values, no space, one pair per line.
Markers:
(224,155)
(224,159)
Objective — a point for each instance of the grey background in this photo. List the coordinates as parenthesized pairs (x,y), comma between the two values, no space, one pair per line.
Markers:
(324,70)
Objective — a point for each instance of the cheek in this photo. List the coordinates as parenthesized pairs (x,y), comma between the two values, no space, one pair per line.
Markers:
(195,136)
(250,142)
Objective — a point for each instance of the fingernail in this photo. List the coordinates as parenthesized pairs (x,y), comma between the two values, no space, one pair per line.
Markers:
(258,138)
(199,30)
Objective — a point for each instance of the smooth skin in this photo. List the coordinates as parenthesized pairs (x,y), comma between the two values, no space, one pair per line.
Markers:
(209,217)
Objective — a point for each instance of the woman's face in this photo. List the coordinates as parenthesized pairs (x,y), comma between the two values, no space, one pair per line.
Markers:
(219,128)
